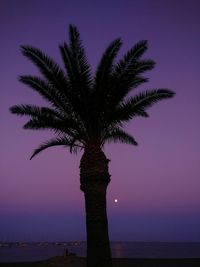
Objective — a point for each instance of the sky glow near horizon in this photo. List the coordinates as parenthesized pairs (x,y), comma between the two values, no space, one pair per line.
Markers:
(158,182)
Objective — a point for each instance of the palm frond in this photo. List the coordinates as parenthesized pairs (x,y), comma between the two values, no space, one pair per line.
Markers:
(69,106)
(47,91)
(80,62)
(78,72)
(148,98)
(78,86)
(47,66)
(59,141)
(132,56)
(68,60)
(119,89)
(102,82)
(137,50)
(142,66)
(35,111)
(106,64)
(126,75)
(118,135)
(136,106)
(46,118)
(39,123)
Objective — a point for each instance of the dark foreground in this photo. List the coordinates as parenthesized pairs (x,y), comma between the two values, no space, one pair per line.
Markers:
(73,261)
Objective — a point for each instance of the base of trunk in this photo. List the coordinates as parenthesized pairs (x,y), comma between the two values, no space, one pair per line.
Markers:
(98,245)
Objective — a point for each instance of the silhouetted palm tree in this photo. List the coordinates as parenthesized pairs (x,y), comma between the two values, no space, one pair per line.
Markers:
(87,111)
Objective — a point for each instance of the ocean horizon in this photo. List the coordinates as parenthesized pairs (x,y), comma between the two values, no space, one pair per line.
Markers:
(16,252)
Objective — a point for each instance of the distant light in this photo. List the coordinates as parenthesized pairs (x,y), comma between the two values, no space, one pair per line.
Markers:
(116,200)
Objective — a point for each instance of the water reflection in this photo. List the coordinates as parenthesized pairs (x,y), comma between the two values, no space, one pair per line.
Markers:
(118,250)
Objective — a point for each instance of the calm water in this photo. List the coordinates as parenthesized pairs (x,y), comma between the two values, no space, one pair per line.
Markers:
(119,250)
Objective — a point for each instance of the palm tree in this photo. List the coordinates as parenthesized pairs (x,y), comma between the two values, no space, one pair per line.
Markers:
(85,112)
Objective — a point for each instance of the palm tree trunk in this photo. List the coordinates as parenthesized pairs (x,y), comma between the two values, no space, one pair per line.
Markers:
(95,178)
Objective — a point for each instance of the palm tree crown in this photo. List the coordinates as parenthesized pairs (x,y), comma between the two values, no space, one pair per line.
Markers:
(88,110)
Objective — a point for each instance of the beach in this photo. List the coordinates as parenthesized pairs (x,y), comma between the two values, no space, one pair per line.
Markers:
(74,261)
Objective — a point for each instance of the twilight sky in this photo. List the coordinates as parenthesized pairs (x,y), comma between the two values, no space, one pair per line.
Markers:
(157,183)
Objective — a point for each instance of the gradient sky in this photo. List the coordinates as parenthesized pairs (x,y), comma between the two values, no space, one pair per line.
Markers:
(157,183)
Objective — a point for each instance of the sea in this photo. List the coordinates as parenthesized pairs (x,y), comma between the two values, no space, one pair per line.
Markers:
(21,252)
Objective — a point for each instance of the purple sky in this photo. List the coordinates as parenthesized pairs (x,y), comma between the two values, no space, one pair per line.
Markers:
(157,183)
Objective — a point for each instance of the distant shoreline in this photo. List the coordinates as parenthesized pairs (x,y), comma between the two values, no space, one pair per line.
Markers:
(146,251)
(72,261)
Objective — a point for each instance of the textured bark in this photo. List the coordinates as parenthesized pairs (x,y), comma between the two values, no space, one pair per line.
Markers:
(95,178)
